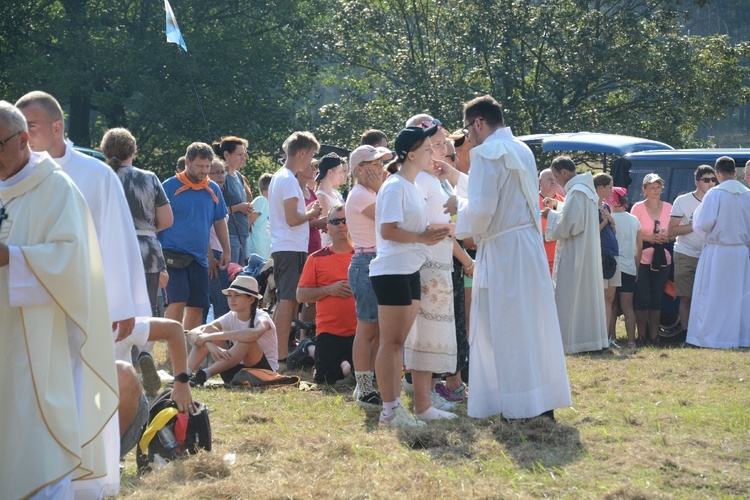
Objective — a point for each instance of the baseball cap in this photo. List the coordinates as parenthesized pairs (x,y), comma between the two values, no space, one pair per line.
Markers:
(653,178)
(329,161)
(618,193)
(366,153)
(409,136)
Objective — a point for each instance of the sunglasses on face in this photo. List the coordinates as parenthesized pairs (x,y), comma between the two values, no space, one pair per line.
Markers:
(336,222)
(708,179)
(452,156)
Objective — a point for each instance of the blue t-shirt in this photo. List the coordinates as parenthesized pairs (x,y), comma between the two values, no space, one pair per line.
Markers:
(194,214)
(608,238)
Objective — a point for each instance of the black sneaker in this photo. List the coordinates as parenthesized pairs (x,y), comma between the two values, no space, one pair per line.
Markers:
(199,378)
(295,358)
(371,401)
(149,375)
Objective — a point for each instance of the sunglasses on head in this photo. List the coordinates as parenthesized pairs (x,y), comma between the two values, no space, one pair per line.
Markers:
(336,222)
(708,179)
(430,123)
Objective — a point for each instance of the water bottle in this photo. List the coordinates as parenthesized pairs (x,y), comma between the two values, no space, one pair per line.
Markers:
(166,436)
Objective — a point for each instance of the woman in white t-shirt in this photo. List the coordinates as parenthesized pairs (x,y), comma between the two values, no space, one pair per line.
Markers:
(402,238)
(331,174)
(231,340)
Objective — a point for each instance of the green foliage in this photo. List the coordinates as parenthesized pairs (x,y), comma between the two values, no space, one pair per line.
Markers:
(610,66)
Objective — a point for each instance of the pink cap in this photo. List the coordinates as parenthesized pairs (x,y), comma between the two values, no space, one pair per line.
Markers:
(617,194)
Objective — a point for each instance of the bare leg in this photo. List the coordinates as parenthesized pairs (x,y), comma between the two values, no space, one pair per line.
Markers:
(626,304)
(422,386)
(130,394)
(453,382)
(285,311)
(609,298)
(685,311)
(362,354)
(196,357)
(395,323)
(193,318)
(307,315)
(176,311)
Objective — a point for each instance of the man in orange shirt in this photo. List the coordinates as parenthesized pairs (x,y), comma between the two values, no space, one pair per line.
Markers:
(548,188)
(325,281)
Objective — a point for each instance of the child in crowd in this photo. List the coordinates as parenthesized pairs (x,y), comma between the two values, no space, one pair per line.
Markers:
(231,340)
(259,240)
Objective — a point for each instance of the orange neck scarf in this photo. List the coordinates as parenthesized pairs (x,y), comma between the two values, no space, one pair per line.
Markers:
(196,186)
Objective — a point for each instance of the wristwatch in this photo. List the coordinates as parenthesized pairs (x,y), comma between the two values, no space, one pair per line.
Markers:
(182,377)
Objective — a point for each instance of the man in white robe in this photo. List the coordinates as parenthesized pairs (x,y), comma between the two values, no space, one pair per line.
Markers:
(720,310)
(577,275)
(123,267)
(59,383)
(517,364)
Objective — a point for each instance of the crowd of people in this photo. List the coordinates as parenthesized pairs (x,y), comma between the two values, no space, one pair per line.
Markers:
(441,253)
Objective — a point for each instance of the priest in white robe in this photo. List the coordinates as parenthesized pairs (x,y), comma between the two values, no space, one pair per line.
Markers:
(517,367)
(123,267)
(577,274)
(59,383)
(720,310)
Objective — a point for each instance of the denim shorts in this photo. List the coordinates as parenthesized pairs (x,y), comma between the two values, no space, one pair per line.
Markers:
(364,295)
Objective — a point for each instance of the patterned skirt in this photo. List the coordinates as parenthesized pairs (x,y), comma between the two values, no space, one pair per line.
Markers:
(431,344)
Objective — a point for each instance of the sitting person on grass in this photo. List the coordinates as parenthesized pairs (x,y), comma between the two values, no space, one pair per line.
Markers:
(231,341)
(325,281)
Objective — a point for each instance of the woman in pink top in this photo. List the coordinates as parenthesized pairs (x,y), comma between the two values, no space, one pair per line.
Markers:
(367,167)
(653,271)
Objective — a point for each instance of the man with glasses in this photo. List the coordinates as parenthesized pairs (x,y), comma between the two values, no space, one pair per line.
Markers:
(517,364)
(720,316)
(325,281)
(688,244)
(58,364)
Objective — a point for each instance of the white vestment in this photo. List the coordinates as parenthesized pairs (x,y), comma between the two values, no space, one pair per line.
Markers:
(577,275)
(59,381)
(720,309)
(517,364)
(123,273)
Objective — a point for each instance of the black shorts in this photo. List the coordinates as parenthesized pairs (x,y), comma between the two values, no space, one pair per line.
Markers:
(330,351)
(628,284)
(397,289)
(228,375)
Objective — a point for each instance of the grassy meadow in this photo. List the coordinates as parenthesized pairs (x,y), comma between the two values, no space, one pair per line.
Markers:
(646,423)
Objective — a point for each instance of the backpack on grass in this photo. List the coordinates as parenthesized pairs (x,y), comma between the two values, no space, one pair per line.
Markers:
(169,435)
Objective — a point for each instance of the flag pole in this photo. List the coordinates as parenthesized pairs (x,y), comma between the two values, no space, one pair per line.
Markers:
(174,35)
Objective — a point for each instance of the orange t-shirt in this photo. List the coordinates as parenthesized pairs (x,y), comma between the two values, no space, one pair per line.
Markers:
(334,315)
(549,246)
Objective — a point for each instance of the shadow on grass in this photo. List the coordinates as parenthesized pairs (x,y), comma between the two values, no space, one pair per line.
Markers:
(538,442)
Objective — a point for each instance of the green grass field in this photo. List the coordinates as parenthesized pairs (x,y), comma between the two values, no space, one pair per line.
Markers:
(665,422)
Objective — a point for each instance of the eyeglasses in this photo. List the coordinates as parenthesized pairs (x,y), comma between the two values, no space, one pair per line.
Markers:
(2,143)
(465,130)
(218,173)
(708,179)
(336,222)
(452,156)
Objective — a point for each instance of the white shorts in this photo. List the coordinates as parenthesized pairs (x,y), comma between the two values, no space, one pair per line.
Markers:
(139,338)
(615,280)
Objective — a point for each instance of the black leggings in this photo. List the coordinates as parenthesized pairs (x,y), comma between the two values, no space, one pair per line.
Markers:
(649,289)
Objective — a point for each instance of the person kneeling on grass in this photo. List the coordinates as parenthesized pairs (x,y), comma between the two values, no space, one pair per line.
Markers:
(231,341)
(325,281)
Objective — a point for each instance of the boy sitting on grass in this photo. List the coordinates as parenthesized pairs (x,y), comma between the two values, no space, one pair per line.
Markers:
(231,340)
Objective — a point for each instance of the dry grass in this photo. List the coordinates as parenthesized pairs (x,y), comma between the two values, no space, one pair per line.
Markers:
(651,423)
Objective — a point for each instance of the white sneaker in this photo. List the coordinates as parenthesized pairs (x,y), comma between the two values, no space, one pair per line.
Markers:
(435,414)
(355,394)
(406,386)
(439,402)
(400,418)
